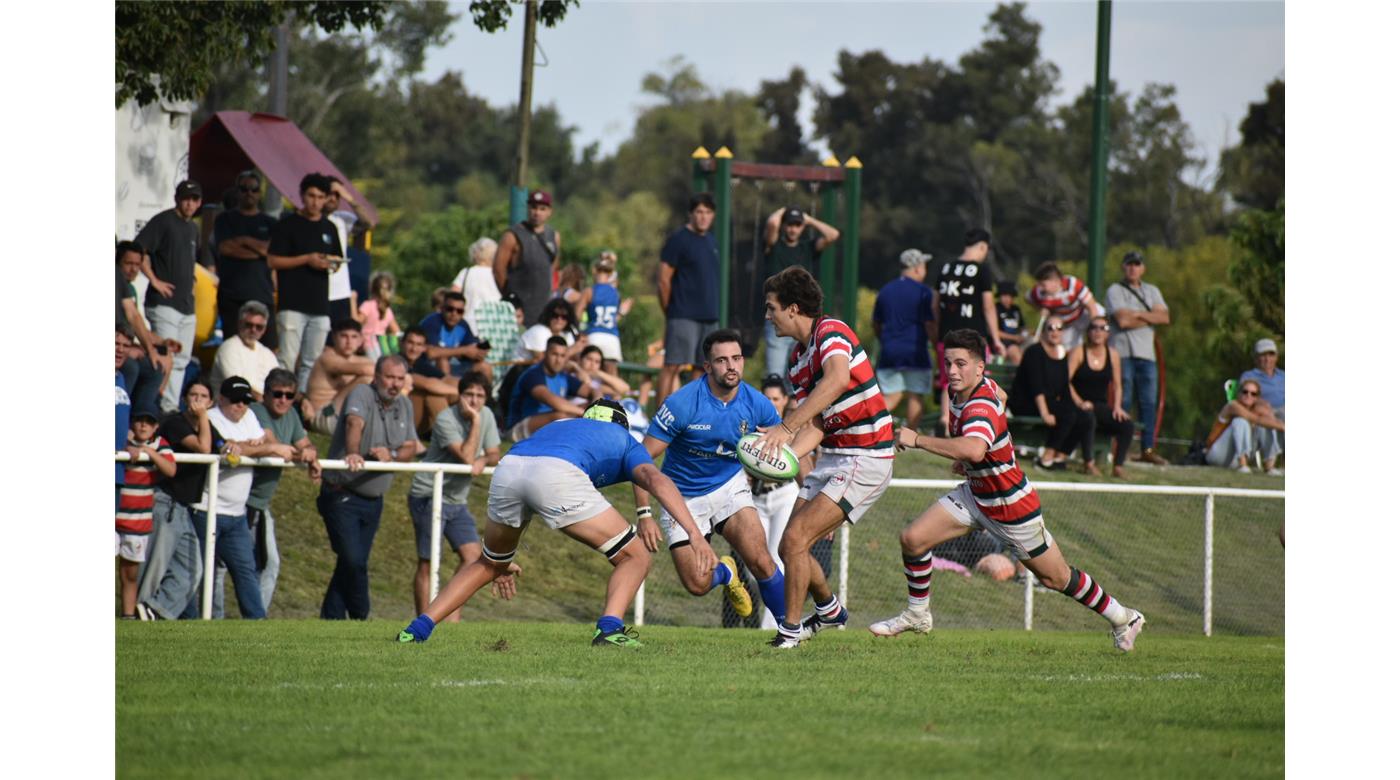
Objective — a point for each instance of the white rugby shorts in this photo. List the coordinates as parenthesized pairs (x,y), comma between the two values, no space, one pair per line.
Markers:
(711,509)
(610,345)
(1023,541)
(854,482)
(553,488)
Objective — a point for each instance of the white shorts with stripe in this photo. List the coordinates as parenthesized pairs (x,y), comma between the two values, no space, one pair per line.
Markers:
(609,344)
(711,509)
(553,488)
(1023,541)
(854,482)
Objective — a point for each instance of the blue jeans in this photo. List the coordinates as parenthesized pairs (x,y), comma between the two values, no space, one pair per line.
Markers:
(233,546)
(1140,385)
(776,351)
(143,380)
(169,579)
(167,323)
(262,528)
(1242,440)
(351,523)
(301,338)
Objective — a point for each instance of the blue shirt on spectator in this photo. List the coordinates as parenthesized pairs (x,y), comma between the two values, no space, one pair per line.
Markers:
(901,309)
(602,310)
(123,424)
(1270,387)
(523,404)
(701,431)
(695,285)
(605,451)
(439,335)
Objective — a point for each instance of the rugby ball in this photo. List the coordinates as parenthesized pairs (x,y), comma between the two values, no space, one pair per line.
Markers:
(780,467)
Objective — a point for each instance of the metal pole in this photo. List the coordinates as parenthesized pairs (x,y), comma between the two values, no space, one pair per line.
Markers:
(1098,182)
(845,566)
(1029,613)
(211,521)
(724,228)
(826,271)
(277,101)
(850,242)
(1208,597)
(639,605)
(435,548)
(527,85)
(699,179)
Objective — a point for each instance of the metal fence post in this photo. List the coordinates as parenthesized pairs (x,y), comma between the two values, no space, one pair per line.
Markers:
(845,562)
(1209,596)
(639,605)
(211,522)
(1029,614)
(436,544)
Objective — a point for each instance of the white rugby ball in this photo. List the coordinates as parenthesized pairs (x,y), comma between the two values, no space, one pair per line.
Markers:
(780,467)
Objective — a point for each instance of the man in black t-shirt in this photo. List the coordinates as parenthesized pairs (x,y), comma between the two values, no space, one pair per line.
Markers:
(962,298)
(304,249)
(790,237)
(171,243)
(241,238)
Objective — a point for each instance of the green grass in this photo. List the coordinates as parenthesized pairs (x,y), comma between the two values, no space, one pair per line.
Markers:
(316,699)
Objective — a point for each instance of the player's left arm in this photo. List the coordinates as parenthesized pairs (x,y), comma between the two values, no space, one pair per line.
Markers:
(647,528)
(969,449)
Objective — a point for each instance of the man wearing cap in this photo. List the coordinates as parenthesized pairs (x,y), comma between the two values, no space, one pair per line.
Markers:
(245,355)
(1011,324)
(791,237)
(241,237)
(171,244)
(962,298)
(375,425)
(237,433)
(528,255)
(1270,378)
(1134,308)
(304,250)
(904,323)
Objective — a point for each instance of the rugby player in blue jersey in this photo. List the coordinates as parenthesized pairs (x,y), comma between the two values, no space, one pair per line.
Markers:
(555,474)
(698,427)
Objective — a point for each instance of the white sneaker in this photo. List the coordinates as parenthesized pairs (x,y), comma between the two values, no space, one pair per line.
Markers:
(920,622)
(1243,469)
(1124,635)
(783,642)
(1274,472)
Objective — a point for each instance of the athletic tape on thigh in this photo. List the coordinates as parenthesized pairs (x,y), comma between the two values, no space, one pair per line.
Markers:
(496,557)
(613,546)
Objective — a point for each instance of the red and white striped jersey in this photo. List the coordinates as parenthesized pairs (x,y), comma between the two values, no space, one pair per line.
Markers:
(857,422)
(998,485)
(1068,304)
(136,505)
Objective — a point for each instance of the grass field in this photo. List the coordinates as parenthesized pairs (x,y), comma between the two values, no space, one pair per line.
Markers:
(317,699)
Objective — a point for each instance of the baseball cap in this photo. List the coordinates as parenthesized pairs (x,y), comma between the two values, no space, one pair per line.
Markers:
(1006,288)
(189,188)
(792,215)
(1265,345)
(539,198)
(1133,258)
(607,410)
(145,411)
(236,389)
(913,257)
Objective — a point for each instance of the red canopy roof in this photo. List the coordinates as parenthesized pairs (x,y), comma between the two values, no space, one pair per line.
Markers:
(234,141)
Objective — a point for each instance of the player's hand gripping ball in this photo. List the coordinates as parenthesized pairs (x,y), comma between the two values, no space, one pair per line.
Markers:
(779,467)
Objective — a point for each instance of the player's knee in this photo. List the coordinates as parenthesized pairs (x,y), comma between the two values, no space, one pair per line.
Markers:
(790,547)
(909,542)
(1054,581)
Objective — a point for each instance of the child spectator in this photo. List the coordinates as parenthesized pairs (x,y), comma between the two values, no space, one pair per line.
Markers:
(589,371)
(135,510)
(605,309)
(1010,322)
(570,284)
(380,329)
(476,281)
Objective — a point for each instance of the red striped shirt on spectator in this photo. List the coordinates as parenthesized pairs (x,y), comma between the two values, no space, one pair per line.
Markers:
(138,498)
(999,487)
(857,422)
(1068,304)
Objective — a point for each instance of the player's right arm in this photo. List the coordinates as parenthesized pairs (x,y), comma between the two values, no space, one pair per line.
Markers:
(647,527)
(653,481)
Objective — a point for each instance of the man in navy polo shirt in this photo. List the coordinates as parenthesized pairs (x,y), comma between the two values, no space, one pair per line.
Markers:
(450,342)
(904,323)
(687,284)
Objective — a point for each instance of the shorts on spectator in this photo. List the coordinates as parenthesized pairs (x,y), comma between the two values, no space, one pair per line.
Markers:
(324,420)
(458,525)
(552,488)
(1022,541)
(711,510)
(905,380)
(854,482)
(610,345)
(683,341)
(132,547)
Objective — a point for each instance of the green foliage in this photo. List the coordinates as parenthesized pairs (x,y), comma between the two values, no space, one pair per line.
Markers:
(492,15)
(1257,271)
(431,254)
(1252,172)
(170,50)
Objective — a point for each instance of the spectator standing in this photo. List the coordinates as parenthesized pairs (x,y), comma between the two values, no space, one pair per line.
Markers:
(687,284)
(791,237)
(136,502)
(148,360)
(347,222)
(464,433)
(1041,388)
(238,434)
(541,394)
(450,342)
(241,237)
(528,256)
(245,355)
(477,282)
(1136,307)
(1241,429)
(1096,384)
(173,568)
(904,323)
(338,370)
(376,425)
(381,330)
(432,392)
(962,298)
(300,251)
(1011,326)
(1066,297)
(171,243)
(605,308)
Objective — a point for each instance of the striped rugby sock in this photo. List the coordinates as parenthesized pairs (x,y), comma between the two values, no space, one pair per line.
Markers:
(1084,590)
(831,610)
(918,571)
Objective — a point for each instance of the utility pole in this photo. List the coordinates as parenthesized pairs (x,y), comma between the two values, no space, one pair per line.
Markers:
(1098,183)
(277,101)
(527,83)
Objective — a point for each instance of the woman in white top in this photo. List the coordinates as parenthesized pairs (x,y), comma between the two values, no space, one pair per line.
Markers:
(475,281)
(557,319)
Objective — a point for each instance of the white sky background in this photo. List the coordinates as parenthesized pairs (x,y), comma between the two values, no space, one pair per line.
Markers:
(1219,55)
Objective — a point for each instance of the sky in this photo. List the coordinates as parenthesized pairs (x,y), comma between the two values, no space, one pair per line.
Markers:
(1219,55)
